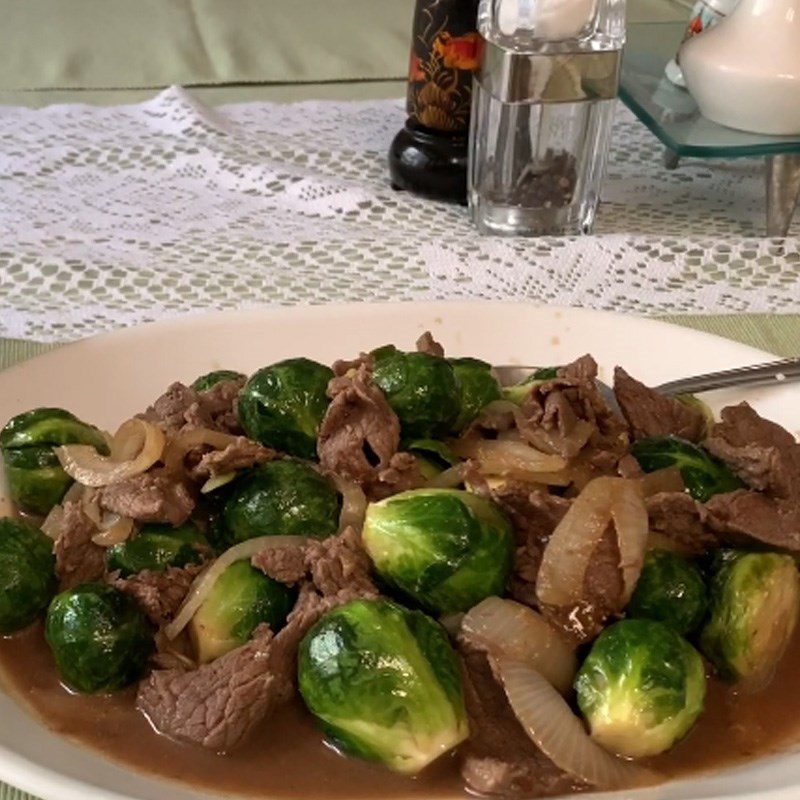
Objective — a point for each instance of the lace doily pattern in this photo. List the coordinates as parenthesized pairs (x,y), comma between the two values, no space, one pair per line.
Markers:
(115,216)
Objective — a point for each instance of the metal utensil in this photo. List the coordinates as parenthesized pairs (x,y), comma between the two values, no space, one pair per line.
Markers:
(769,374)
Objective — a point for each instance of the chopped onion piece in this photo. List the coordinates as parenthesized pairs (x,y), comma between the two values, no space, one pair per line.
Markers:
(449,478)
(354,503)
(119,529)
(512,630)
(205,581)
(216,482)
(668,479)
(496,457)
(178,446)
(632,525)
(85,465)
(560,735)
(52,522)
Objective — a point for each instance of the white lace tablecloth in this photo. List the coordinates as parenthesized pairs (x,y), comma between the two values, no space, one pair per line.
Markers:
(114,216)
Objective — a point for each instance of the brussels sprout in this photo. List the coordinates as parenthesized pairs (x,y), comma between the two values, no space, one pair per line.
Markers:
(641,688)
(99,638)
(27,576)
(754,605)
(703,474)
(432,456)
(283,405)
(240,600)
(421,389)
(671,590)
(276,499)
(205,382)
(520,391)
(384,683)
(477,388)
(447,549)
(36,480)
(157,547)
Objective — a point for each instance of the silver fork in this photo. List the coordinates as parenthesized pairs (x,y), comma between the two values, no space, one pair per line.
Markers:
(770,374)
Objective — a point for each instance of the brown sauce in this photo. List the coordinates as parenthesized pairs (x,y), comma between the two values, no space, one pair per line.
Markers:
(288,758)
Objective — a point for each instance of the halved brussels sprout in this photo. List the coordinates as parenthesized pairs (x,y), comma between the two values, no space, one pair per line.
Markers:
(447,549)
(754,606)
(384,684)
(421,389)
(282,405)
(277,498)
(641,688)
(157,547)
(100,639)
(205,382)
(477,387)
(27,574)
(241,599)
(35,478)
(671,590)
(520,391)
(703,474)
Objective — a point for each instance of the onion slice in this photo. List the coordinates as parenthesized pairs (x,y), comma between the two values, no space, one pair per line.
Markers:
(52,522)
(449,478)
(140,442)
(560,735)
(354,503)
(178,446)
(497,457)
(668,479)
(512,630)
(205,581)
(114,529)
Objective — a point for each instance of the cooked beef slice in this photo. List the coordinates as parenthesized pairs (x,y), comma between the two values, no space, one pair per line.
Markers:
(335,566)
(219,704)
(159,594)
(743,516)
(149,497)
(427,344)
(78,558)
(242,453)
(681,519)
(180,407)
(649,413)
(360,434)
(764,455)
(499,758)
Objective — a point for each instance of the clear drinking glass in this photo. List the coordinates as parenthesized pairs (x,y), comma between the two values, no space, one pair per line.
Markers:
(543,102)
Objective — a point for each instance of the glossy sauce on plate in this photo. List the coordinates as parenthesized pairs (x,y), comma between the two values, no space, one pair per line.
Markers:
(288,758)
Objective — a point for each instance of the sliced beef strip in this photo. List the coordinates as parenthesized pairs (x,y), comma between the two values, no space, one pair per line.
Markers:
(679,518)
(219,704)
(649,413)
(427,344)
(78,558)
(764,455)
(401,474)
(242,453)
(743,516)
(149,497)
(336,565)
(499,758)
(169,409)
(159,594)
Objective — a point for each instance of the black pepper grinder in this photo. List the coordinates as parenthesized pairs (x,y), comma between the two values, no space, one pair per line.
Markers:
(429,155)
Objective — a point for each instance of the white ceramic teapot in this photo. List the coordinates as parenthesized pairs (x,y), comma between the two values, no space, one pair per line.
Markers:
(745,72)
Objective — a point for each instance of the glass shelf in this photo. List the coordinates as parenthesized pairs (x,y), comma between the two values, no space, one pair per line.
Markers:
(670,112)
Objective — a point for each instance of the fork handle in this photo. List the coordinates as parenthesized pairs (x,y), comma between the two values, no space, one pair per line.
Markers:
(756,375)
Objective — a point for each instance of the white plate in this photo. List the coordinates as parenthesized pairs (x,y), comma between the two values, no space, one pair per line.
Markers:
(111,377)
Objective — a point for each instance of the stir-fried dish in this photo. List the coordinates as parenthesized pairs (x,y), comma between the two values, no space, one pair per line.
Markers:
(542,584)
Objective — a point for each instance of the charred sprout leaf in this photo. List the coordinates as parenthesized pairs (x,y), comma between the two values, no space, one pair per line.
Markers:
(276,499)
(384,684)
(671,590)
(157,547)
(100,639)
(282,405)
(35,478)
(421,389)
(447,549)
(641,688)
(703,474)
(477,388)
(27,574)
(754,605)
(520,391)
(205,382)
(240,600)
